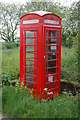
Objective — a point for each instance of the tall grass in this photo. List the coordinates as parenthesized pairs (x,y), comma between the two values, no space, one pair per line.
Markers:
(0,99)
(20,105)
(10,63)
(69,64)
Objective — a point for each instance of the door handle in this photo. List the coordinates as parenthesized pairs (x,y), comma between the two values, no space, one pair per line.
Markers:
(44,57)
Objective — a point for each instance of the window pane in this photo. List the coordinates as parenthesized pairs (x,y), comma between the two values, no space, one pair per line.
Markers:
(52,64)
(29,40)
(28,63)
(52,33)
(30,70)
(29,33)
(29,56)
(51,56)
(52,70)
(52,48)
(29,48)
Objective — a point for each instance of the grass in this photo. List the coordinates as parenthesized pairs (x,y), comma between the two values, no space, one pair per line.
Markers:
(10,63)
(20,105)
(0,99)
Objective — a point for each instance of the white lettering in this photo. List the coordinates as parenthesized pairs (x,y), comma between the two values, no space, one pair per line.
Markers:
(30,21)
(51,22)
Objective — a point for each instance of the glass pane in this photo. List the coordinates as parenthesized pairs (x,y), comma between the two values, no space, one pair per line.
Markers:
(29,56)
(52,48)
(52,33)
(29,33)
(52,70)
(30,78)
(52,64)
(30,70)
(29,40)
(51,56)
(28,63)
(52,41)
(29,48)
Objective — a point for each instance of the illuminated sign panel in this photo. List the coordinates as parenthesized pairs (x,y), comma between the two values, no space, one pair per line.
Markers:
(30,21)
(51,22)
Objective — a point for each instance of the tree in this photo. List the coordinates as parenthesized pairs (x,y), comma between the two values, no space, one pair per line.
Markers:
(45,6)
(9,19)
(70,24)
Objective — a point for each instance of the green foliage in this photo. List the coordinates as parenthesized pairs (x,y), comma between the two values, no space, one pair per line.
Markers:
(69,64)
(5,79)
(21,105)
(10,64)
(45,6)
(10,45)
(0,99)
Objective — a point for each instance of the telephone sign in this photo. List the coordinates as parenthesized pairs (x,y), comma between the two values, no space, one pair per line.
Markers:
(30,21)
(51,22)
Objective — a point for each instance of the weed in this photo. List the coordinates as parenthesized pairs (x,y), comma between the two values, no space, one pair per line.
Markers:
(21,105)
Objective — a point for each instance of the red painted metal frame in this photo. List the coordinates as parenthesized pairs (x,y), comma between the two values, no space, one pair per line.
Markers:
(24,47)
(59,55)
(40,40)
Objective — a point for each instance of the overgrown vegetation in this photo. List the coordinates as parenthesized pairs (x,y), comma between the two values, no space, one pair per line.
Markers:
(10,45)
(0,99)
(69,64)
(19,104)
(10,64)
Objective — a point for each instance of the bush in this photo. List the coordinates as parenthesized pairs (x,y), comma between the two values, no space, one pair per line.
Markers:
(20,105)
(5,79)
(10,45)
(69,64)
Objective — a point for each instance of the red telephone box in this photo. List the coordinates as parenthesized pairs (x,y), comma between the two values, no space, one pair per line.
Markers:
(40,52)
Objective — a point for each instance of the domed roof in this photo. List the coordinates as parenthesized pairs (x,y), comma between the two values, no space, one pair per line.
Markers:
(41,13)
